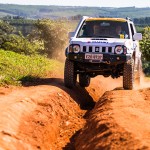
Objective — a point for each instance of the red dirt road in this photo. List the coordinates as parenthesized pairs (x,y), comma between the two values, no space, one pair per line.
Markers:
(46,115)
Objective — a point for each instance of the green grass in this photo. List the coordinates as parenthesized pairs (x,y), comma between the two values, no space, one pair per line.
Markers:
(15,67)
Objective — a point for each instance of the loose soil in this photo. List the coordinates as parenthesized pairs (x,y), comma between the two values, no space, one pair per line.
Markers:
(48,116)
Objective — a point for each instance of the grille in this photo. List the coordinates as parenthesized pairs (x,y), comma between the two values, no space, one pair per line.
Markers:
(89,49)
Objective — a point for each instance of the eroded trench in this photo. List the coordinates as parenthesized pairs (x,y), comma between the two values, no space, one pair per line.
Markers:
(47,115)
(60,116)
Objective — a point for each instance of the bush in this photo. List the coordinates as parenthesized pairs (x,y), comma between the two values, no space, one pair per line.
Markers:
(145,44)
(146,68)
(18,43)
(54,33)
(14,67)
(21,45)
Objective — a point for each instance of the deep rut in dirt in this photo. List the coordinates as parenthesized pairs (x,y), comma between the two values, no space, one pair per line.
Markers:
(46,115)
(42,115)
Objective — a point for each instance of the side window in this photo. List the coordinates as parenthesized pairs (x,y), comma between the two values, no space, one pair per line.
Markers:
(82,29)
(132,30)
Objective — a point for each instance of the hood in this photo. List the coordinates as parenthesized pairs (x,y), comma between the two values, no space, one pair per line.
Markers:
(101,41)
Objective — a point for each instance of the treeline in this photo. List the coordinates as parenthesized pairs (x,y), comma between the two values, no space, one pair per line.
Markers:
(144,21)
(55,12)
(26,26)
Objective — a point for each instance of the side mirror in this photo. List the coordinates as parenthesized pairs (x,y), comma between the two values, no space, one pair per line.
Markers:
(137,36)
(71,34)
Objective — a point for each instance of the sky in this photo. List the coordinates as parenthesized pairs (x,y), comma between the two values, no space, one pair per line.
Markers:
(97,3)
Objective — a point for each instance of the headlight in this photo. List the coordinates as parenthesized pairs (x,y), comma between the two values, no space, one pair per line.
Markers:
(74,48)
(119,50)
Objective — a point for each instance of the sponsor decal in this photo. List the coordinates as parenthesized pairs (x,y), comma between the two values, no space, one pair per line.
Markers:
(99,42)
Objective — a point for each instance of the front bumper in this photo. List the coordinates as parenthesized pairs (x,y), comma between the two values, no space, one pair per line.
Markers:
(107,58)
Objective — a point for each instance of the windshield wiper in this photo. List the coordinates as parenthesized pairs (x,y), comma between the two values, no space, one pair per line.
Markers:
(105,36)
(84,36)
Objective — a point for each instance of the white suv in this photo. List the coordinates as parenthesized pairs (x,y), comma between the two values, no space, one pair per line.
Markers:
(103,46)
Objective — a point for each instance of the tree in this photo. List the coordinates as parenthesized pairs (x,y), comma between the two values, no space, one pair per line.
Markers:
(145,44)
(5,29)
(18,43)
(54,34)
(22,45)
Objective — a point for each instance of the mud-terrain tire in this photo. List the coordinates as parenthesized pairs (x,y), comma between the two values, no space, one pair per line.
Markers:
(128,75)
(84,80)
(70,76)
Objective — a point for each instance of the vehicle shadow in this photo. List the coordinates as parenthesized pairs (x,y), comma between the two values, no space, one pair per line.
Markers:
(78,94)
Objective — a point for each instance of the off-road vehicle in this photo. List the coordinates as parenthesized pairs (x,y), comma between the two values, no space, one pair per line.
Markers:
(103,46)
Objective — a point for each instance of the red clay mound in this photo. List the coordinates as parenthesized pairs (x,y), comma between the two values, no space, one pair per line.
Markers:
(120,120)
(35,117)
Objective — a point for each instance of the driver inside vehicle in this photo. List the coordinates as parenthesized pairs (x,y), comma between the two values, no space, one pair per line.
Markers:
(96,30)
(118,30)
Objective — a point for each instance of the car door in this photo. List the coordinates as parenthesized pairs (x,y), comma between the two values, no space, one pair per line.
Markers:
(137,53)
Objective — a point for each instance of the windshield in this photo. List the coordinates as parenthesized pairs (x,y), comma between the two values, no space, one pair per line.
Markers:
(104,29)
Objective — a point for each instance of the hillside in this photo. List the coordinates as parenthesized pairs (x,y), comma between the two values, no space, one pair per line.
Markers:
(38,11)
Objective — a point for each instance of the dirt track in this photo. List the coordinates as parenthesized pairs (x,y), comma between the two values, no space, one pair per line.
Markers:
(46,115)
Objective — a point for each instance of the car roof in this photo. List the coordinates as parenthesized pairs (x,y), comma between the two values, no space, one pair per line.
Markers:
(107,19)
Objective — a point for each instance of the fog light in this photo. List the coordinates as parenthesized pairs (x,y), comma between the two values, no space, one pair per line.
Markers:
(118,58)
(118,50)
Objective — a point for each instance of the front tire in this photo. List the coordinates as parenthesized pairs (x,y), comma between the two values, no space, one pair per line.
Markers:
(128,75)
(70,76)
(84,80)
